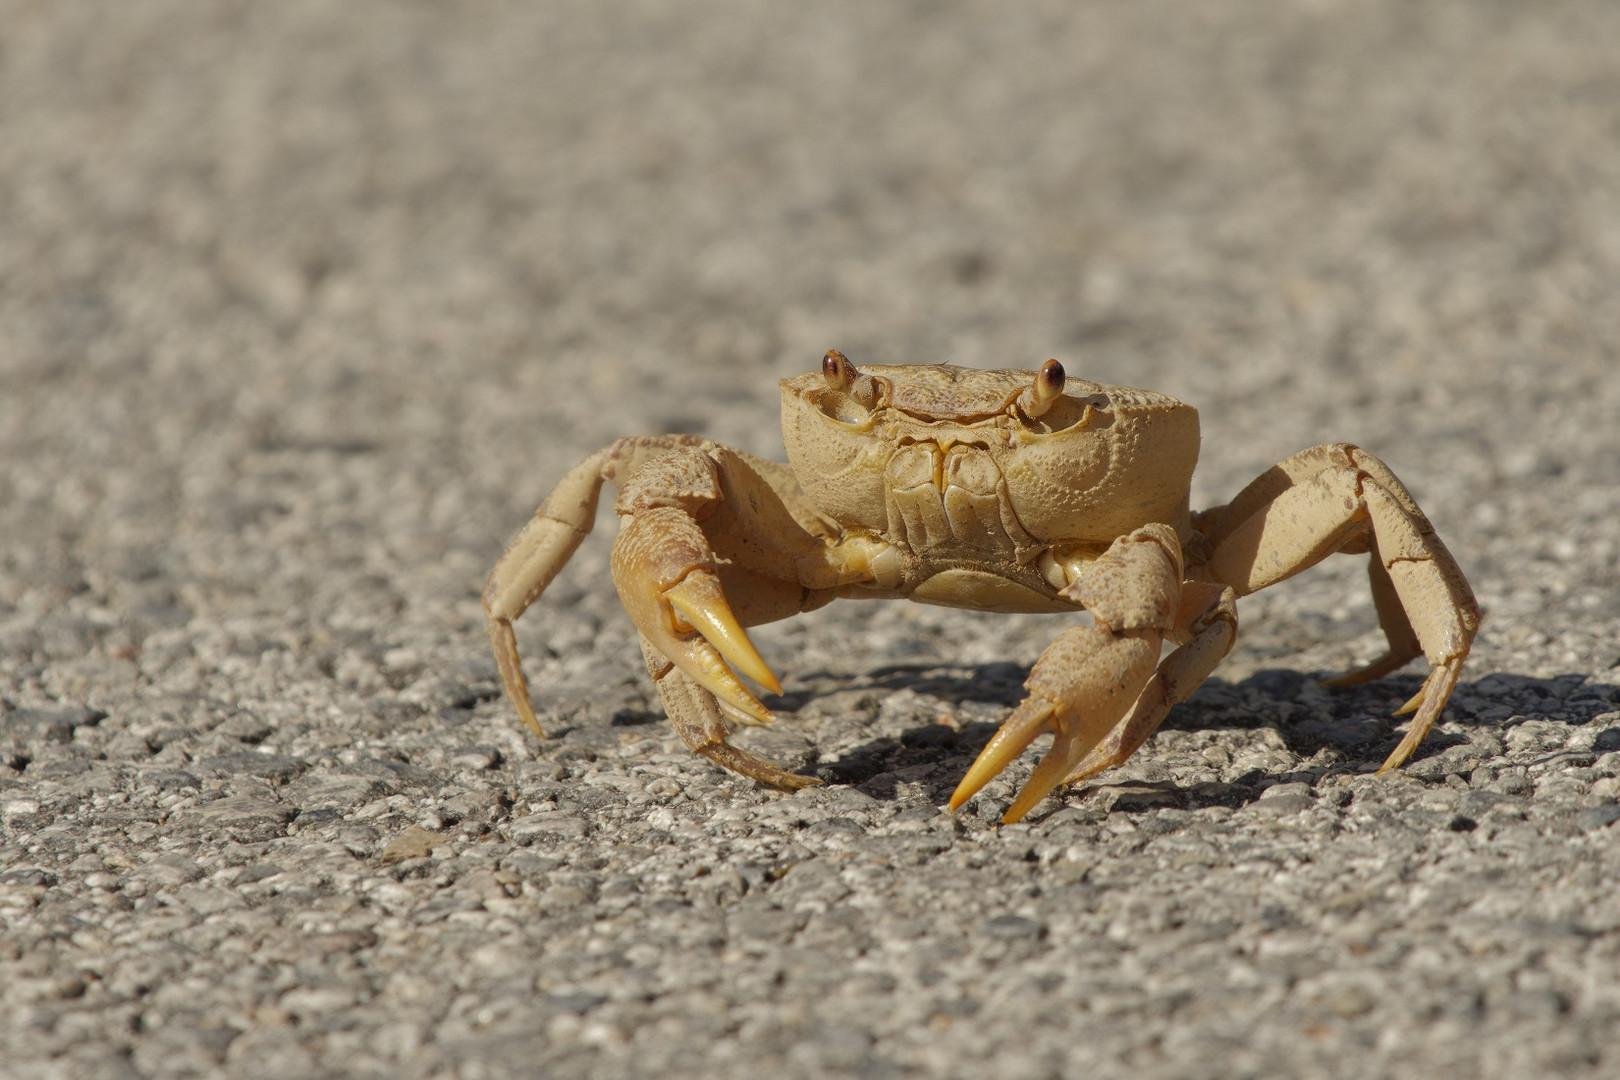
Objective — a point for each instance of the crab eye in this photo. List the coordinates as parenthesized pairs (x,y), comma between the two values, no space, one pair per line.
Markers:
(1050,379)
(838,371)
(1038,397)
(851,395)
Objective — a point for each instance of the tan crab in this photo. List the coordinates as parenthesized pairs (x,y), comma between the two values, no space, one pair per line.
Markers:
(995,490)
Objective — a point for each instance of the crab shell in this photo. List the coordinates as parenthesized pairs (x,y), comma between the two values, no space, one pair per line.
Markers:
(1095,464)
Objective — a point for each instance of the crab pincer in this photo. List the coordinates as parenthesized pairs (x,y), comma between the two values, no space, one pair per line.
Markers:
(663,569)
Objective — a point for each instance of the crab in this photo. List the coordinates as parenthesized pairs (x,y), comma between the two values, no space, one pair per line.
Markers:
(1011,491)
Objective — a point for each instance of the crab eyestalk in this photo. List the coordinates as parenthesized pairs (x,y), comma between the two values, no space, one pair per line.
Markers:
(844,378)
(1038,396)
(838,371)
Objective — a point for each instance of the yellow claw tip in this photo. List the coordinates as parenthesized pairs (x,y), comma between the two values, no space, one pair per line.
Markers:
(1042,782)
(744,710)
(1414,704)
(719,681)
(981,773)
(1016,732)
(698,599)
(1023,805)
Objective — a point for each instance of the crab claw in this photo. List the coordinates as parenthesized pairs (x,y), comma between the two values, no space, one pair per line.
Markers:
(682,629)
(1071,742)
(1081,687)
(1020,729)
(698,599)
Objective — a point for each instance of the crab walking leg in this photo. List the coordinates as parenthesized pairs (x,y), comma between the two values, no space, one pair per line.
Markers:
(1088,679)
(1211,618)
(533,558)
(545,544)
(700,720)
(1350,501)
(1404,646)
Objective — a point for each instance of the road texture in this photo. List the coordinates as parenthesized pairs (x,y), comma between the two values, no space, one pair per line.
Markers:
(304,307)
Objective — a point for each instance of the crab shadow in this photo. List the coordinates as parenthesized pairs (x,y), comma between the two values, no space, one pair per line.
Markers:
(1357,723)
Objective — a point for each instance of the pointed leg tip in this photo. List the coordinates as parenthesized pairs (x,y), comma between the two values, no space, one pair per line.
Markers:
(532,721)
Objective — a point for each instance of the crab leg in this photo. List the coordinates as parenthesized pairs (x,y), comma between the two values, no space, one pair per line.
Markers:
(700,719)
(533,558)
(543,547)
(1340,498)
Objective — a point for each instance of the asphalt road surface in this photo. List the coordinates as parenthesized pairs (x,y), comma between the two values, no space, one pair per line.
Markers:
(304,307)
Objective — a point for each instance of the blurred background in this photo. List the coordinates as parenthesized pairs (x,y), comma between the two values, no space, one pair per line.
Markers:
(304,307)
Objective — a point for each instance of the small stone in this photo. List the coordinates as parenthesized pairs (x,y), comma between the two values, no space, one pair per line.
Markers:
(310,819)
(663,787)
(19,808)
(345,789)
(1014,928)
(247,728)
(399,773)
(1476,804)
(550,823)
(276,767)
(1132,797)
(243,812)
(28,877)
(414,843)
(170,870)
(1597,817)
(48,725)
(476,757)
(572,1003)
(1351,1002)
(1288,803)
